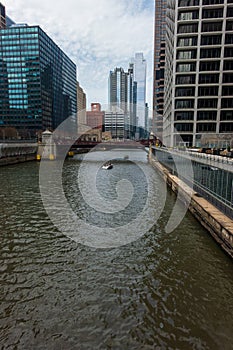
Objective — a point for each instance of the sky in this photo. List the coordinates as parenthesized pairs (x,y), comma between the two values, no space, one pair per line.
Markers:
(98,35)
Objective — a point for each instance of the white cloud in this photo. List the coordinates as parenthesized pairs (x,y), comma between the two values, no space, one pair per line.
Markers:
(98,36)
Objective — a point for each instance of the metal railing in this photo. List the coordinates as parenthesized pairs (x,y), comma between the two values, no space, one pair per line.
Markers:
(212,175)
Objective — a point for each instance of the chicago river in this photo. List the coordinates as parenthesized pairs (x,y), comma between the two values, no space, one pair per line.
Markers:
(161,291)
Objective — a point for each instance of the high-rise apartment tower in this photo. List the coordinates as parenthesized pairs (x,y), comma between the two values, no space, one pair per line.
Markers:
(198,71)
(159,63)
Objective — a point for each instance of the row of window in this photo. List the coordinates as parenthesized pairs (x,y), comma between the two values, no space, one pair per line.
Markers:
(21,60)
(205,40)
(204,115)
(204,91)
(204,127)
(184,3)
(24,72)
(206,13)
(205,27)
(21,30)
(24,47)
(204,53)
(205,103)
(205,78)
(30,41)
(21,36)
(204,66)
(202,103)
(27,54)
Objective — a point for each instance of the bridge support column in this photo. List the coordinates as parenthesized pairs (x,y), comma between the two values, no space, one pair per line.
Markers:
(47,148)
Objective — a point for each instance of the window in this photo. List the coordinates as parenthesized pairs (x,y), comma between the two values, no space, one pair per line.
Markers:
(188,16)
(230,12)
(229,39)
(211,40)
(185,79)
(226,115)
(212,13)
(208,78)
(206,115)
(209,66)
(212,2)
(227,102)
(206,127)
(228,65)
(228,52)
(207,103)
(187,41)
(208,91)
(227,91)
(188,91)
(188,67)
(188,28)
(183,127)
(188,3)
(226,127)
(228,78)
(184,115)
(184,104)
(187,54)
(211,26)
(229,25)
(210,53)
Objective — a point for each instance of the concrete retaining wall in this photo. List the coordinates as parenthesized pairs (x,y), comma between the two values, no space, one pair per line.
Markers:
(16,159)
(217,224)
(13,153)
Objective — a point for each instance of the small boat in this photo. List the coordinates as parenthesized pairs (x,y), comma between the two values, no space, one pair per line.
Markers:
(107,166)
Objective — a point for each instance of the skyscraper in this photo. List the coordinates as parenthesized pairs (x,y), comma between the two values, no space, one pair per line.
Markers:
(122,98)
(199,71)
(127,92)
(38,84)
(139,76)
(159,64)
(118,89)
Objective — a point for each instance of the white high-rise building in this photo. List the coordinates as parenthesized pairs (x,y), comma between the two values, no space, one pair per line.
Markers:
(139,76)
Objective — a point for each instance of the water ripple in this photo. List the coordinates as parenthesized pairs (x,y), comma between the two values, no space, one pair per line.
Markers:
(161,292)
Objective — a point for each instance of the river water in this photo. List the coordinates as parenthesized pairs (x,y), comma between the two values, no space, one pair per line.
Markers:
(161,291)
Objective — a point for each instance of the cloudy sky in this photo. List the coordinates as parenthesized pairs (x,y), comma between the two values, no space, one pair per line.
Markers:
(97,35)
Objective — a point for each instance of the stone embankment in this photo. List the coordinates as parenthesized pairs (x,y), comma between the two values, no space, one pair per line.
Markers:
(216,223)
(13,153)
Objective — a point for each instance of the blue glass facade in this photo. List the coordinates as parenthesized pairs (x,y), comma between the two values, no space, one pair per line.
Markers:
(38,86)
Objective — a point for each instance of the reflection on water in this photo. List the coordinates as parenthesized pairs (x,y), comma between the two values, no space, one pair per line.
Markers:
(164,291)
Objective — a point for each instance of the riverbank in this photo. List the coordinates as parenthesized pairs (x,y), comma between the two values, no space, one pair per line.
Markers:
(215,222)
(17,159)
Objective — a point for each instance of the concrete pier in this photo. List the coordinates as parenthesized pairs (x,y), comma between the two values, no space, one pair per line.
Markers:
(217,224)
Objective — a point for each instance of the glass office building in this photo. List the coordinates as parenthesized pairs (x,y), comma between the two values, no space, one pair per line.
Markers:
(38,86)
